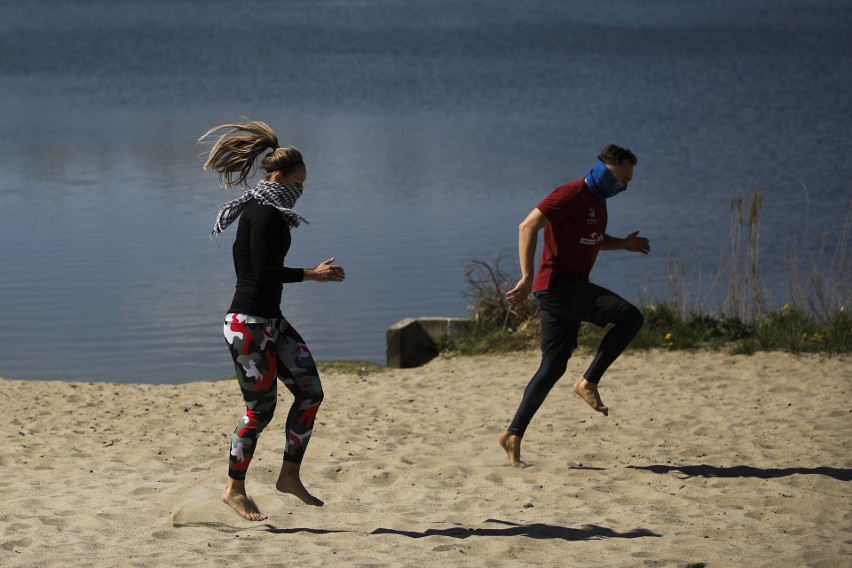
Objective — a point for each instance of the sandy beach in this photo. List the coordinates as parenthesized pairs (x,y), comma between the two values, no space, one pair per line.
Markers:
(706,459)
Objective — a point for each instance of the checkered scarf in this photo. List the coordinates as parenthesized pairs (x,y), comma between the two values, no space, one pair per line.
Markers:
(282,197)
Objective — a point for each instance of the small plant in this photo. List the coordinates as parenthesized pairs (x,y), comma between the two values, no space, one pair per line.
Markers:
(487,287)
(497,326)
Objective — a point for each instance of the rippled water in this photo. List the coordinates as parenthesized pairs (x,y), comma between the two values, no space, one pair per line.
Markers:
(430,130)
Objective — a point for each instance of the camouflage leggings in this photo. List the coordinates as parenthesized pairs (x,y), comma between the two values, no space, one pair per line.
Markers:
(264,349)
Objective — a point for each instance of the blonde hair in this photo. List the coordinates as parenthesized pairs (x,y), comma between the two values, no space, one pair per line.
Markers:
(235,152)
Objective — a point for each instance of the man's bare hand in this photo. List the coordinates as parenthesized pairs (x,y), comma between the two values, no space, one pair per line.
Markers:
(520,292)
(635,243)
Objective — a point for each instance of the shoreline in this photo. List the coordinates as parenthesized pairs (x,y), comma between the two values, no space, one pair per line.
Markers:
(736,460)
(365,368)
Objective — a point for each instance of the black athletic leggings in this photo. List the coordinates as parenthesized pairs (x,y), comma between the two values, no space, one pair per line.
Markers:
(563,308)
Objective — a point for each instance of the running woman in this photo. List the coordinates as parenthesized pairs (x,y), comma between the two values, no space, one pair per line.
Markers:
(574,220)
(265,347)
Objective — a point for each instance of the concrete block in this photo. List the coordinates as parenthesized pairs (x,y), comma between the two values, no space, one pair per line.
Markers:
(414,341)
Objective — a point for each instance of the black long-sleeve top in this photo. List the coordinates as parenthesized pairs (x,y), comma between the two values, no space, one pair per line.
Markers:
(262,242)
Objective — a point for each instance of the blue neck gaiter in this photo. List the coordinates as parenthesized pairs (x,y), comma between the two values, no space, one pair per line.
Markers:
(602,183)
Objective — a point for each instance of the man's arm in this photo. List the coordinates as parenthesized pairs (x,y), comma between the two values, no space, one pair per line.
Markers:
(633,243)
(527,239)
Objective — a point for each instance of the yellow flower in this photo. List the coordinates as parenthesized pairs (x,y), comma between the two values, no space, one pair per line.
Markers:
(668,336)
(785,307)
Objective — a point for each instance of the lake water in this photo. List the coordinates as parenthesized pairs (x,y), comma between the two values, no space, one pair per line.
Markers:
(430,130)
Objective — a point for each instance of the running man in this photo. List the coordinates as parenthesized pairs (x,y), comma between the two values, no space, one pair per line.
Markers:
(574,220)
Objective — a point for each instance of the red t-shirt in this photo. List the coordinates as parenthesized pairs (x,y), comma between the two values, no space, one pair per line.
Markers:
(573,237)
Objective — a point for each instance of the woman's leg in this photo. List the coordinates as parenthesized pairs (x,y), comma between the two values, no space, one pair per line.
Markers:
(298,371)
(252,349)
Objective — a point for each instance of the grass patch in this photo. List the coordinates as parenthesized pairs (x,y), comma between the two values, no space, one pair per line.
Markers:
(360,368)
(484,339)
(785,330)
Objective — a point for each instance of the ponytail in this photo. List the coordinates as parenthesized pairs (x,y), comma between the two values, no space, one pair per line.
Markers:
(235,151)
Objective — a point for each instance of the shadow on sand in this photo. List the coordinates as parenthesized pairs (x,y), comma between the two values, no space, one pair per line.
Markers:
(535,530)
(295,530)
(747,471)
(225,527)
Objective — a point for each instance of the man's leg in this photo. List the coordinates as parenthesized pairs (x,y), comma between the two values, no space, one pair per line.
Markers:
(626,321)
(549,371)
(603,307)
(558,340)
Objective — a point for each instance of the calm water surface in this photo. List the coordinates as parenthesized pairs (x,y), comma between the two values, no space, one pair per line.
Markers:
(430,130)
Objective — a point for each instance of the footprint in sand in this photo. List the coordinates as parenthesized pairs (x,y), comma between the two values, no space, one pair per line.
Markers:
(494,478)
(383,479)
(16,545)
(207,513)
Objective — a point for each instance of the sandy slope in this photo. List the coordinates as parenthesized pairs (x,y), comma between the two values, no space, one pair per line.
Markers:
(705,459)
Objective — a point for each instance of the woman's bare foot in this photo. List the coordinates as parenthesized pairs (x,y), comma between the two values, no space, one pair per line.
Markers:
(235,497)
(589,392)
(290,482)
(512,445)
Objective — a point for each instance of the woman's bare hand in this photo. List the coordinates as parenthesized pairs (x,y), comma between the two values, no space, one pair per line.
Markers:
(325,272)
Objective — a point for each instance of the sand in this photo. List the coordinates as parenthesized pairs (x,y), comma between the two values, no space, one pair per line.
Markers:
(706,459)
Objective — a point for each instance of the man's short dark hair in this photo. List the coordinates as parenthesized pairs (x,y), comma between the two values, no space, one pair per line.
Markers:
(616,155)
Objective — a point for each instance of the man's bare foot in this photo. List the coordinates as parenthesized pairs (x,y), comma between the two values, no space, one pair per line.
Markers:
(589,392)
(512,445)
(235,497)
(290,482)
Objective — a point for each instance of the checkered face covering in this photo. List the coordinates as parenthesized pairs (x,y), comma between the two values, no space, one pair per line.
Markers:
(282,197)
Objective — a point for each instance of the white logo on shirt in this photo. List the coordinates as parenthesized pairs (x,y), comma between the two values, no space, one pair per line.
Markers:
(592,239)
